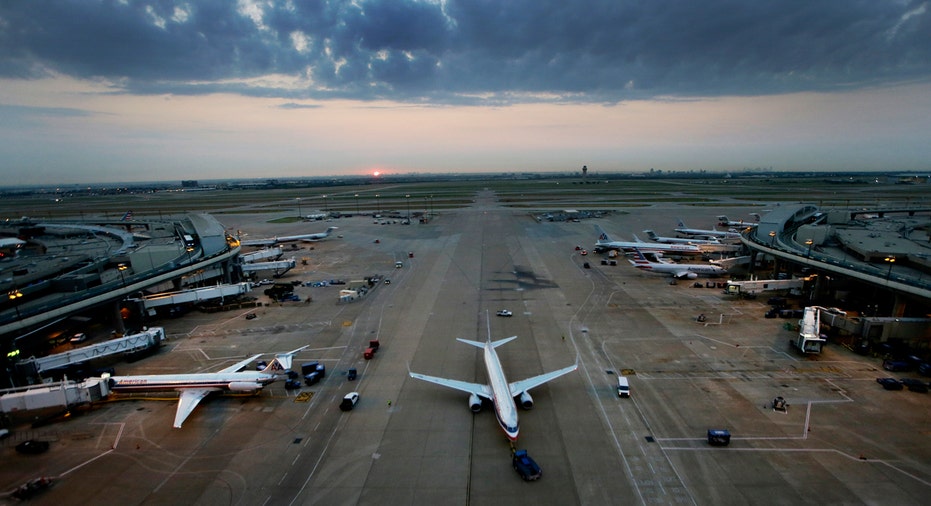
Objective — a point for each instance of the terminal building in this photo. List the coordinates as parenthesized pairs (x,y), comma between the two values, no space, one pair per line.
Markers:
(61,277)
(873,264)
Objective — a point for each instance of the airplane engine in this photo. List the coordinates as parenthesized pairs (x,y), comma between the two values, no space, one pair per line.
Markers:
(243,386)
(690,275)
(475,403)
(526,401)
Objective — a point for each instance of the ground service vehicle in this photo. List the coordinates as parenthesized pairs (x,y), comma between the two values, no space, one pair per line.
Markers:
(369,353)
(504,312)
(292,384)
(349,401)
(525,466)
(352,374)
(623,387)
(311,367)
(719,437)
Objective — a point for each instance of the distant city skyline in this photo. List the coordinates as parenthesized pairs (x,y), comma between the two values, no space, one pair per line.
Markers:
(132,91)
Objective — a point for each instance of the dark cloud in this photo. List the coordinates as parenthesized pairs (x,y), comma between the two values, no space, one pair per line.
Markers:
(485,51)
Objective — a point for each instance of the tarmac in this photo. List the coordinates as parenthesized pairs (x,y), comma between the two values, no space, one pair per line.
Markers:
(842,440)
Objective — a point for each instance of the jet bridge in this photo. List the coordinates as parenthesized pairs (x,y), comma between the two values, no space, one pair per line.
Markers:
(126,344)
(195,295)
(280,267)
(62,395)
(262,254)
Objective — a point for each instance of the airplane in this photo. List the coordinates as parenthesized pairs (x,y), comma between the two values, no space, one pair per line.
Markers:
(194,387)
(498,390)
(128,216)
(289,238)
(681,271)
(705,245)
(604,243)
(706,234)
(678,240)
(725,222)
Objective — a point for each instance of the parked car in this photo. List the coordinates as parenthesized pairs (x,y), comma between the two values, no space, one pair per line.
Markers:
(924,368)
(504,312)
(896,365)
(32,447)
(349,401)
(525,466)
(915,385)
(889,383)
(352,374)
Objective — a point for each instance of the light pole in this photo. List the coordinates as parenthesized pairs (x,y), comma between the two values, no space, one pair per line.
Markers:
(357,203)
(408,198)
(377,204)
(15,295)
(891,260)
(299,208)
(123,267)
(809,243)
(772,238)
(326,210)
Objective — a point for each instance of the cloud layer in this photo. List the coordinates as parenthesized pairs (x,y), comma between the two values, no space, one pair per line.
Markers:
(473,51)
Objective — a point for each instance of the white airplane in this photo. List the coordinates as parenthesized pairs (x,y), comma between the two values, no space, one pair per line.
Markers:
(681,271)
(194,387)
(705,245)
(725,222)
(498,390)
(604,243)
(678,240)
(319,236)
(706,234)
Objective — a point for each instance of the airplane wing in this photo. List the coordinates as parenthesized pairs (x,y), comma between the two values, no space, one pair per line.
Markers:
(521,386)
(239,365)
(188,401)
(464,386)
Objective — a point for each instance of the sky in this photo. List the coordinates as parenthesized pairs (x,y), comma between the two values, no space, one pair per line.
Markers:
(124,90)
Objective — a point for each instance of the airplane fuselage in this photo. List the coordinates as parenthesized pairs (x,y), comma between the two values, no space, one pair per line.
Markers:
(682,249)
(505,407)
(239,381)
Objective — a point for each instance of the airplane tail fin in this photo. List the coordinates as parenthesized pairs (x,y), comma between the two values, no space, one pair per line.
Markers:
(639,258)
(636,239)
(127,217)
(282,362)
(494,344)
(651,234)
(329,230)
(602,235)
(681,223)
